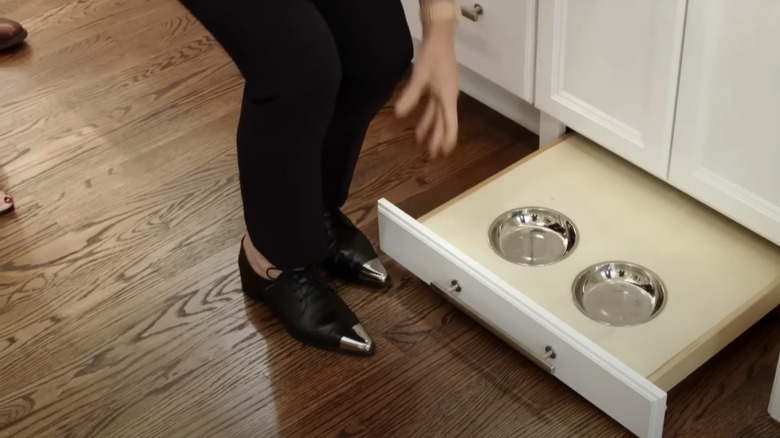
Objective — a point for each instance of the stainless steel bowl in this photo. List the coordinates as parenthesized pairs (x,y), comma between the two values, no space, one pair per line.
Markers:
(619,293)
(533,236)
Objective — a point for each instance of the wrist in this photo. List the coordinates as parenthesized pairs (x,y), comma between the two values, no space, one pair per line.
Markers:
(430,2)
(439,19)
(438,11)
(439,31)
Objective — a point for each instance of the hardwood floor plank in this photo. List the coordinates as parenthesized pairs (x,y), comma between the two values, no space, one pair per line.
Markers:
(121,313)
(25,229)
(116,359)
(108,254)
(237,351)
(390,146)
(150,89)
(22,366)
(730,392)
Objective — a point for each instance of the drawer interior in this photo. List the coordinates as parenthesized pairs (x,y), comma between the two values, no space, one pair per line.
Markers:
(720,277)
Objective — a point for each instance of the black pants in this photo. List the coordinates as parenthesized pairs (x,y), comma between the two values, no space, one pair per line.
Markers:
(316,72)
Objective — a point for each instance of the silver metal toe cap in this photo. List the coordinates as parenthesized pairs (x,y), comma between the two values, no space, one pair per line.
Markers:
(375,270)
(362,343)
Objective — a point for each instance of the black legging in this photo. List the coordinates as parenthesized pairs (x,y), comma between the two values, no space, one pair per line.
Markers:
(317,72)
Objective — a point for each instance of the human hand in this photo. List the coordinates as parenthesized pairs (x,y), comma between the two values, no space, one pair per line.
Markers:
(435,74)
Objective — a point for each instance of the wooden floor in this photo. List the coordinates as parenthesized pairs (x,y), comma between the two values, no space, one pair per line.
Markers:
(120,313)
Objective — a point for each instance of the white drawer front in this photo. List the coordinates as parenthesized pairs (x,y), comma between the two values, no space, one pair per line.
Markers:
(614,388)
(500,45)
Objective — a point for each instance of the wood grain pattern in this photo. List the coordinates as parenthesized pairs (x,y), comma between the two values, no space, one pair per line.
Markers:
(120,312)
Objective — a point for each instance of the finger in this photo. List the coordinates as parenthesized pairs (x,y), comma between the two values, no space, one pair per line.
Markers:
(450,116)
(438,132)
(410,96)
(425,122)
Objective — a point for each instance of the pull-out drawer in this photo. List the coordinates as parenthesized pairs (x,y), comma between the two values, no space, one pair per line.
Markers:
(719,278)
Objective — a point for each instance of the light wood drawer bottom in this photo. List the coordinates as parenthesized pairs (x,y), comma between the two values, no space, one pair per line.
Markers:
(720,277)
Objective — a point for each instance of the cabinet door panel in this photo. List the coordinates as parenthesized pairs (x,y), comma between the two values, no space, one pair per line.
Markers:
(609,68)
(499,46)
(726,149)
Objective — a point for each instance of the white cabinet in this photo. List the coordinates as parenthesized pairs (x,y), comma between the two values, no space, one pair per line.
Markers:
(500,45)
(496,53)
(623,370)
(672,100)
(774,399)
(609,68)
(726,149)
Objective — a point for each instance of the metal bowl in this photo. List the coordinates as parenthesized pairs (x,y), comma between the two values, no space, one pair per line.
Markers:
(533,236)
(619,293)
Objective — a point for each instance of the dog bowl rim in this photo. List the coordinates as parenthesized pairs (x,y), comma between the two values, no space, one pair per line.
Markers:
(652,275)
(533,207)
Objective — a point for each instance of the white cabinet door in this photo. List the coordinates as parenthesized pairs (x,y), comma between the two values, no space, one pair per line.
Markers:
(726,149)
(499,46)
(609,69)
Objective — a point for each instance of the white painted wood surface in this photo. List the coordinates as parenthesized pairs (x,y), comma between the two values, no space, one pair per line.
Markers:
(774,399)
(609,68)
(550,129)
(496,98)
(500,46)
(619,391)
(623,213)
(532,307)
(726,149)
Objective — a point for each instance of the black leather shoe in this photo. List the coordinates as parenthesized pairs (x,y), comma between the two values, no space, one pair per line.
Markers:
(352,256)
(311,311)
(11,33)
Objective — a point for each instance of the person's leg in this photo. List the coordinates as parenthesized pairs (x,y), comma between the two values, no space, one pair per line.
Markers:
(375,49)
(287,55)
